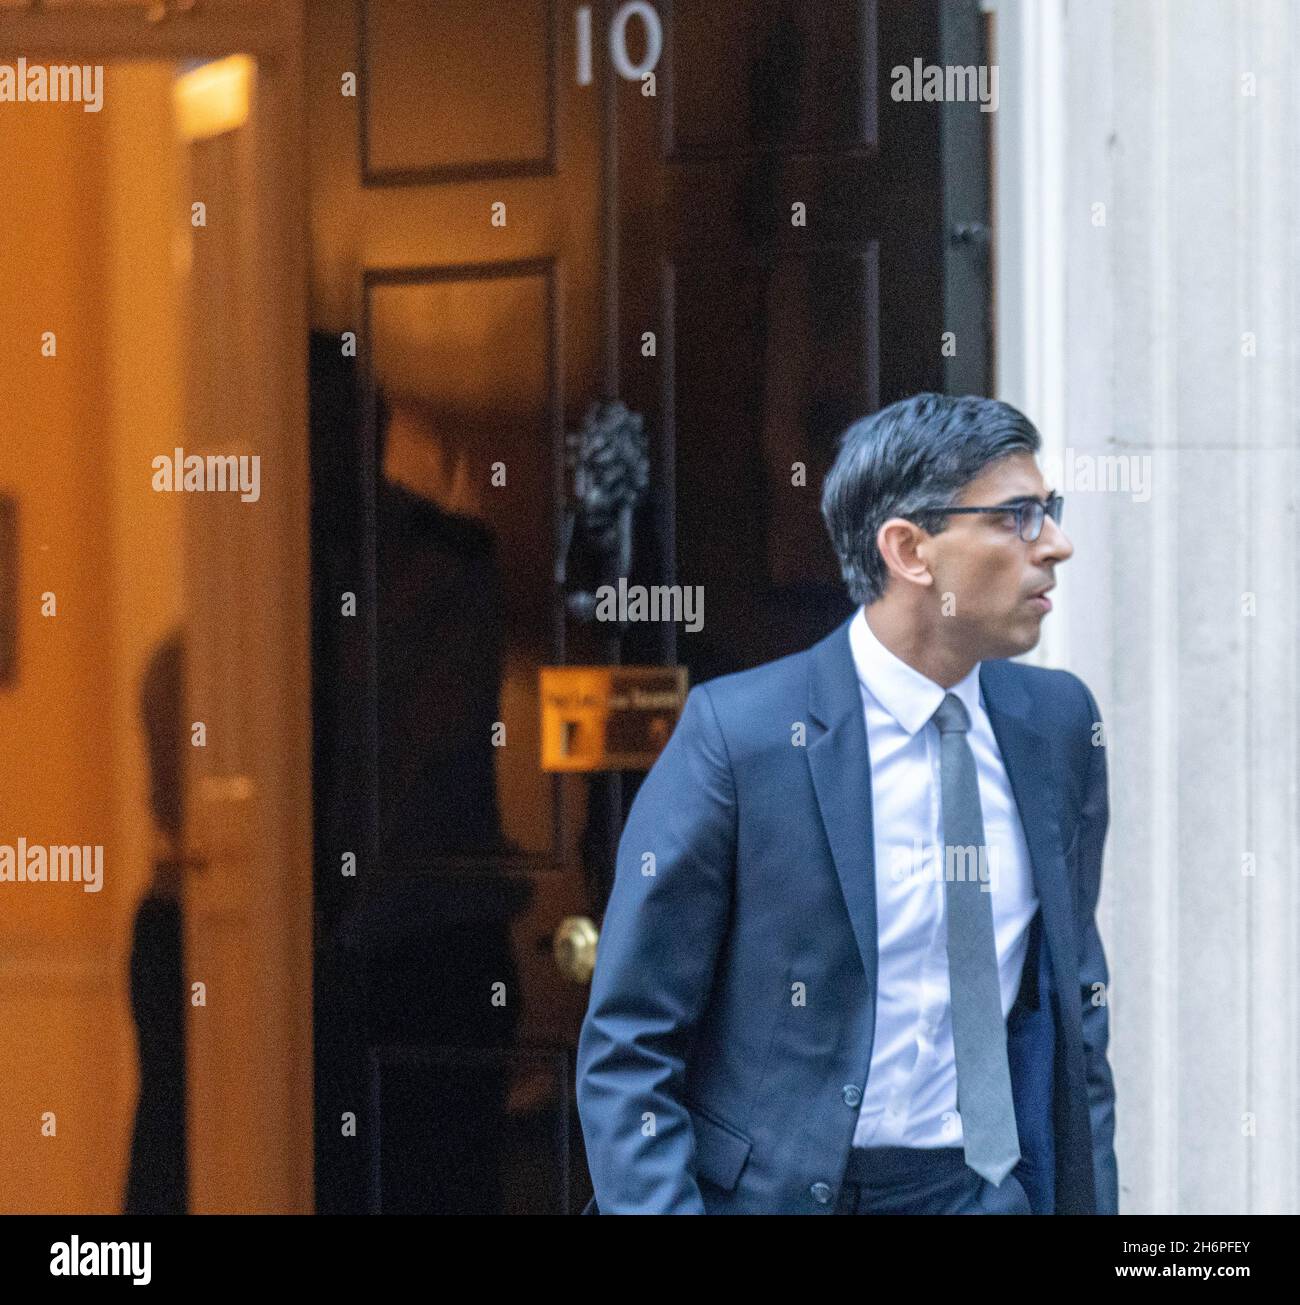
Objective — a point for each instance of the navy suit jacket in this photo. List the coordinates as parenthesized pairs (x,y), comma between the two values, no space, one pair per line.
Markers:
(729,1031)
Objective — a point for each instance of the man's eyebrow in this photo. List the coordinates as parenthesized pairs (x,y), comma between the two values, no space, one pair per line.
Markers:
(1024,498)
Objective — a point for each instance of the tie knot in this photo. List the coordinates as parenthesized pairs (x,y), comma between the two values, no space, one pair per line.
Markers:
(951,716)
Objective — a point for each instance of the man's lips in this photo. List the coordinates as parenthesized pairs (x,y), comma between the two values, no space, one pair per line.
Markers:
(1040,600)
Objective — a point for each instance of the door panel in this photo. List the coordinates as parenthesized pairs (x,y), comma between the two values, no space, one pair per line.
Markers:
(465,567)
(428,113)
(777,325)
(455,207)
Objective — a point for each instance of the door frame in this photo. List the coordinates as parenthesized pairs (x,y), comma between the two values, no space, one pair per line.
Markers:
(272,32)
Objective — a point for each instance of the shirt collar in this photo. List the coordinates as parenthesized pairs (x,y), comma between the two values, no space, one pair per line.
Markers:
(908,696)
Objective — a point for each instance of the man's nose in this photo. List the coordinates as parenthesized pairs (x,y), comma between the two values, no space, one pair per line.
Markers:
(1053,542)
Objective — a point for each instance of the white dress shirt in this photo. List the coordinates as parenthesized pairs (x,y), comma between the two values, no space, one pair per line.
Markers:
(911,1091)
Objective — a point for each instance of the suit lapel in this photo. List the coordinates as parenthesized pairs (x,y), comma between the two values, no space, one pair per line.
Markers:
(840,763)
(1027,755)
(841,774)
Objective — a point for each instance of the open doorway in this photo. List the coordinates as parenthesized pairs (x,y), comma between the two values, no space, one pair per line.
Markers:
(155,953)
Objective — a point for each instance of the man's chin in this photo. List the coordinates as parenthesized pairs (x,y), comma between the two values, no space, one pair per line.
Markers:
(1014,641)
(1032,636)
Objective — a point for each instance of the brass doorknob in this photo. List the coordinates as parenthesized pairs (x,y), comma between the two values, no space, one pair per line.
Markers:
(574,948)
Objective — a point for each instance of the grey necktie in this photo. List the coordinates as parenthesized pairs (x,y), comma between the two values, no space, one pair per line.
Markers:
(979,1032)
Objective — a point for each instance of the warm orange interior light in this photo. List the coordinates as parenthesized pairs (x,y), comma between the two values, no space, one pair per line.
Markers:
(213,98)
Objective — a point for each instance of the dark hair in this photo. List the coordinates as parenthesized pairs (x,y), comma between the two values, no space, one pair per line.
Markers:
(910,460)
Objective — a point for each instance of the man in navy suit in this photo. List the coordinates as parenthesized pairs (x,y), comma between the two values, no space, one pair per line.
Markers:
(850,962)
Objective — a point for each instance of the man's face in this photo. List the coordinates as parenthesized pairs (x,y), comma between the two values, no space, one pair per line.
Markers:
(989,571)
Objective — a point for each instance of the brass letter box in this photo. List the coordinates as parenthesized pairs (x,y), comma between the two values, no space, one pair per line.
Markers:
(608,717)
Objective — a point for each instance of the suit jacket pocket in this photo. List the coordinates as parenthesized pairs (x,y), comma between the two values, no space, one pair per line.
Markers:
(721,1149)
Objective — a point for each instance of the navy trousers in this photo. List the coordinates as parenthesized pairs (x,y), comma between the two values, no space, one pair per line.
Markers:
(923,1180)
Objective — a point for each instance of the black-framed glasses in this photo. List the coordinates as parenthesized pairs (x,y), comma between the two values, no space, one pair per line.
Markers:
(1029,514)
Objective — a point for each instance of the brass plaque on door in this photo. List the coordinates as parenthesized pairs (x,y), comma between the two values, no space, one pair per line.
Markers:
(608,717)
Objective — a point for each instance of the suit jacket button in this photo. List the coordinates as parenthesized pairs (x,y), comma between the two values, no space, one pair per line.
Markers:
(821,1192)
(852,1094)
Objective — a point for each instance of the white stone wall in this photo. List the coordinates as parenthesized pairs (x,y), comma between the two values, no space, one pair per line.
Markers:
(1170,333)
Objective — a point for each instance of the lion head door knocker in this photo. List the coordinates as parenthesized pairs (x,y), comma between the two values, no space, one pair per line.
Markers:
(610,474)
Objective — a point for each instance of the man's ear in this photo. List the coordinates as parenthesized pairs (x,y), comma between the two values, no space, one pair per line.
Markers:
(901,543)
